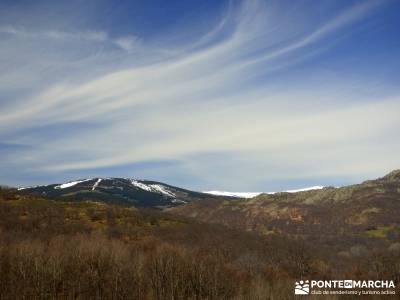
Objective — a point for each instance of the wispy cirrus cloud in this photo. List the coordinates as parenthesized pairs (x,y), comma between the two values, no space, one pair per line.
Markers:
(125,42)
(230,103)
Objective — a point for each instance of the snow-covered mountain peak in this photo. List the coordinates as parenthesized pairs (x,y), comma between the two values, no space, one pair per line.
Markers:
(254,194)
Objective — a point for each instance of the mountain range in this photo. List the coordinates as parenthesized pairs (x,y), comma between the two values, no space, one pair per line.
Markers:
(133,192)
(141,193)
(361,210)
(96,228)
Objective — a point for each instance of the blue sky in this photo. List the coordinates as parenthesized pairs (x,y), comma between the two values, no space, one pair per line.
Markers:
(229,95)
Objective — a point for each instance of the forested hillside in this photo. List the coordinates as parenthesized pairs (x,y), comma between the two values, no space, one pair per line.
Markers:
(344,221)
(87,250)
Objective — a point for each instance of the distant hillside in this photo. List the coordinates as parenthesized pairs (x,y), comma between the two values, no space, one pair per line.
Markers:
(361,214)
(139,193)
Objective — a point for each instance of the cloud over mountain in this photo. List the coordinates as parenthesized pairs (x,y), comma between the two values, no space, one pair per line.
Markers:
(257,91)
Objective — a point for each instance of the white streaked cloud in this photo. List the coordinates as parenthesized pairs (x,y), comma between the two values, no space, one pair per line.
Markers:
(214,67)
(21,32)
(125,42)
(229,91)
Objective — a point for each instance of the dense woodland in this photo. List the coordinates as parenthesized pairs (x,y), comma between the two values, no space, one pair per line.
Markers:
(88,250)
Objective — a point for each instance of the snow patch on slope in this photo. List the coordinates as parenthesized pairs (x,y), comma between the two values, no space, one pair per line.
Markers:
(29,187)
(157,188)
(70,184)
(96,184)
(141,185)
(254,194)
(233,194)
(316,187)
(161,189)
